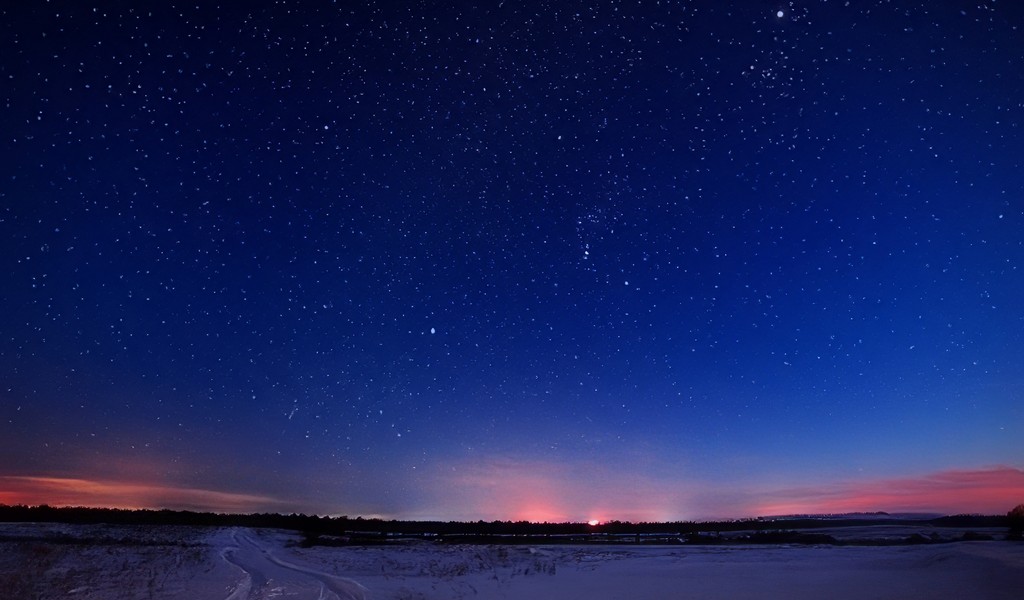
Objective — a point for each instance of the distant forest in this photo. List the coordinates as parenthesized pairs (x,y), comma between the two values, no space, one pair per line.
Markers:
(322,530)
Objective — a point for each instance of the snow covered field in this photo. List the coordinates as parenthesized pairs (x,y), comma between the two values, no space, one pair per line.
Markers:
(108,562)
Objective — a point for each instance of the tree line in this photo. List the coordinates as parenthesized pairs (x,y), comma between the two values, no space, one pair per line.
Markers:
(344,526)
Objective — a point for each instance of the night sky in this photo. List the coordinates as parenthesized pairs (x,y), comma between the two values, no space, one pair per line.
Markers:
(514,260)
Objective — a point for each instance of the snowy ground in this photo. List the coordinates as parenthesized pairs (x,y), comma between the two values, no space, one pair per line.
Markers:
(109,562)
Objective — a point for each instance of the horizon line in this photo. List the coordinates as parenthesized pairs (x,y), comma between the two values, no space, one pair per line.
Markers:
(880,514)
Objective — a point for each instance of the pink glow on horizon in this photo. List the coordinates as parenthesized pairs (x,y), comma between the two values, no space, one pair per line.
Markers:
(503,488)
(62,491)
(531,490)
(508,489)
(986,491)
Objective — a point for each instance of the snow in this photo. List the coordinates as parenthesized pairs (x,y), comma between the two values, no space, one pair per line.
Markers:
(92,562)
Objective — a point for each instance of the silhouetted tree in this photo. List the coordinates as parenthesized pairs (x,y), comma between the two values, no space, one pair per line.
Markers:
(1015,519)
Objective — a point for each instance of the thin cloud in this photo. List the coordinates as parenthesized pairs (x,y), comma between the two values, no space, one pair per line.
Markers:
(61,491)
(989,491)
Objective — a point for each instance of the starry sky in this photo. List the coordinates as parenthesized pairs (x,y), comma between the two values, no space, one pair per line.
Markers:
(513,260)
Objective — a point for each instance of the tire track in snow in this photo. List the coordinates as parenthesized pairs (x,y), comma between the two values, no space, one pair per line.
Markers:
(259,565)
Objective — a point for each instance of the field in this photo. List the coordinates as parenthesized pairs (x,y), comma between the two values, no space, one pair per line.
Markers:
(135,562)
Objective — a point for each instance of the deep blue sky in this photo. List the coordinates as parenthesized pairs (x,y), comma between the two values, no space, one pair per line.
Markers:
(510,260)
